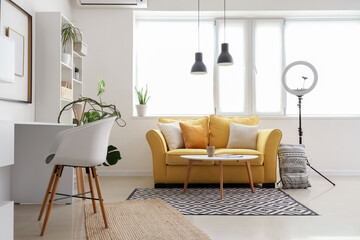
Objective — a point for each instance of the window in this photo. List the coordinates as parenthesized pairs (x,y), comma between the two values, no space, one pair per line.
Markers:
(253,83)
(261,48)
(165,52)
(333,48)
(231,88)
(268,59)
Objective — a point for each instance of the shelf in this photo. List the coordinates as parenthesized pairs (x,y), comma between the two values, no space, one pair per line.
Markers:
(77,55)
(66,66)
(77,81)
(65,100)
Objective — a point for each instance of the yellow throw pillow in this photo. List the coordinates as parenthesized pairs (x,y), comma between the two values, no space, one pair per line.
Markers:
(194,135)
(220,128)
(203,121)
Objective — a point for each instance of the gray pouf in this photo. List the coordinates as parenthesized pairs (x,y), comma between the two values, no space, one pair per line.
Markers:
(292,161)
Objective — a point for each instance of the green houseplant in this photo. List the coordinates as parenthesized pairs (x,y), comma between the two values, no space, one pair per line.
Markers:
(143,98)
(96,110)
(69,34)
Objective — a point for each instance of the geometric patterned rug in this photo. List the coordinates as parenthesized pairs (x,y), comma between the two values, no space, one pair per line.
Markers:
(237,201)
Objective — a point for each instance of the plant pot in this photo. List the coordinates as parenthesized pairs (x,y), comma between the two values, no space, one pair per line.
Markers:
(65,58)
(141,109)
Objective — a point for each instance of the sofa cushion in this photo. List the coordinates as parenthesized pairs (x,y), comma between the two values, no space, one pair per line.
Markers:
(172,134)
(203,121)
(220,128)
(173,157)
(242,136)
(254,162)
(194,136)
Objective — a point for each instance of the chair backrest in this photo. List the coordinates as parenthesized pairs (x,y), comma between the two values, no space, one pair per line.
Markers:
(84,146)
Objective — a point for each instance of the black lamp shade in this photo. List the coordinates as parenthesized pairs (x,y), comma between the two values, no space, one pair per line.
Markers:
(225,59)
(198,67)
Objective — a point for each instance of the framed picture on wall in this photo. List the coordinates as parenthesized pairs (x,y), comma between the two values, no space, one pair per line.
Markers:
(16,24)
(19,50)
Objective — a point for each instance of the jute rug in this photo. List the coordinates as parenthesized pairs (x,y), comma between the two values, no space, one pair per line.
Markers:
(237,201)
(140,220)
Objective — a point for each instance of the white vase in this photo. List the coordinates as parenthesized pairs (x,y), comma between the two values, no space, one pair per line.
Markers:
(141,109)
(65,58)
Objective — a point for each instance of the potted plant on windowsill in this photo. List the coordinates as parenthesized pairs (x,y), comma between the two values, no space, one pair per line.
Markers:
(143,99)
(69,34)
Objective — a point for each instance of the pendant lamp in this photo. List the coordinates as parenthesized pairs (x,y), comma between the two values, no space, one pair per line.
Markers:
(199,66)
(225,59)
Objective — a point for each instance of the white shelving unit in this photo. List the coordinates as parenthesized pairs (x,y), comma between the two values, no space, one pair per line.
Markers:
(6,159)
(51,71)
(7,220)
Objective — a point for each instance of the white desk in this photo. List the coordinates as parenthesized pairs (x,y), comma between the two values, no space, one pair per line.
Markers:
(30,174)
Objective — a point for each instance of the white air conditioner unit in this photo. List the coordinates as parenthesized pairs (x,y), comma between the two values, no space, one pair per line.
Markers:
(116,3)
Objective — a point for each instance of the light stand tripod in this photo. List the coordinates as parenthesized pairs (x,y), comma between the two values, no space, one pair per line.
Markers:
(300,141)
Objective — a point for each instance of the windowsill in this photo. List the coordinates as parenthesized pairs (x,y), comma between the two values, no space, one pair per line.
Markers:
(265,117)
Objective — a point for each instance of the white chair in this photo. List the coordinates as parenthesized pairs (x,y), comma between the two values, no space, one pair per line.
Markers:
(79,147)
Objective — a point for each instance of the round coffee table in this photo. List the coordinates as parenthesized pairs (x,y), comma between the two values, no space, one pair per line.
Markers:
(221,159)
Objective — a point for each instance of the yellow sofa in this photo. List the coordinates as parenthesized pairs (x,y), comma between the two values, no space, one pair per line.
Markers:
(169,168)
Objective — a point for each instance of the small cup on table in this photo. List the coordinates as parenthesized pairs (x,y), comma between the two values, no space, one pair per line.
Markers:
(210,151)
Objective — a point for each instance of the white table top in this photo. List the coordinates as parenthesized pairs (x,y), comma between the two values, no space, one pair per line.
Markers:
(219,158)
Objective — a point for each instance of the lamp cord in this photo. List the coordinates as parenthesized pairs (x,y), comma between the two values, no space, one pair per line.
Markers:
(224,21)
(198,25)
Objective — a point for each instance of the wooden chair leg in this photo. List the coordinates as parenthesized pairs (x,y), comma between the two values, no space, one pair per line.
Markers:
(51,181)
(53,191)
(80,181)
(100,197)
(91,189)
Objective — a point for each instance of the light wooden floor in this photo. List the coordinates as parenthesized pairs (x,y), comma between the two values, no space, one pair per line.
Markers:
(339,209)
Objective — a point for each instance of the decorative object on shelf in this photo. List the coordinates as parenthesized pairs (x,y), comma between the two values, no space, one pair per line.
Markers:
(19,50)
(143,99)
(7,60)
(295,84)
(199,66)
(69,34)
(225,59)
(14,17)
(66,91)
(81,48)
(98,110)
(77,73)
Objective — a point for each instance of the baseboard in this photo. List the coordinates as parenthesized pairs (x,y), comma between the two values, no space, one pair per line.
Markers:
(347,173)
(124,173)
(149,173)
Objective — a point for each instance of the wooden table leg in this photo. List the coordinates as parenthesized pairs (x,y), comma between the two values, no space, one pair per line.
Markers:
(221,179)
(188,175)
(247,162)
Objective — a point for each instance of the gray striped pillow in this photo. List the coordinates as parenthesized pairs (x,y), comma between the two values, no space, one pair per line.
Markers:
(292,161)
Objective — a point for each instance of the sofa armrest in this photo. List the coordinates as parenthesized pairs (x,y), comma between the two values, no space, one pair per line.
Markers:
(158,148)
(268,143)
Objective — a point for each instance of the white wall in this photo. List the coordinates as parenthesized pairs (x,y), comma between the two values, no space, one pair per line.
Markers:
(331,143)
(20,111)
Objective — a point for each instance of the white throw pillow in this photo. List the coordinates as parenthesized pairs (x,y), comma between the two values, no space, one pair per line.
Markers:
(172,134)
(242,136)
